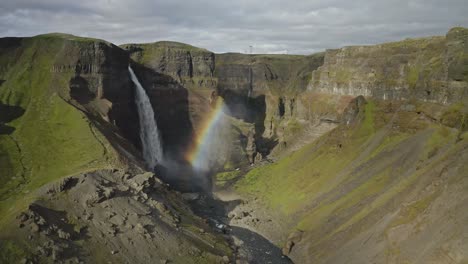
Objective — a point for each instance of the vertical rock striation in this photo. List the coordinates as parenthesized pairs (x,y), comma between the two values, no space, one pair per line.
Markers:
(431,69)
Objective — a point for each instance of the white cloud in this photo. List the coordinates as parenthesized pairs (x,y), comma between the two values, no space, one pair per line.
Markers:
(301,26)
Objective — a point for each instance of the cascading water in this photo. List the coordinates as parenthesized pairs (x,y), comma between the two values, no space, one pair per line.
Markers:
(149,134)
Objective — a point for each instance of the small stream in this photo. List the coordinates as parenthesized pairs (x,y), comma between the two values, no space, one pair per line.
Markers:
(252,247)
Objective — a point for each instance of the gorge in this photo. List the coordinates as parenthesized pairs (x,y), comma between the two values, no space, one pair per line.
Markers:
(169,153)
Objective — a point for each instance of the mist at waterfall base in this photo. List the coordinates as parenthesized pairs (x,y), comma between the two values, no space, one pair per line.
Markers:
(205,156)
(149,133)
(211,144)
(207,153)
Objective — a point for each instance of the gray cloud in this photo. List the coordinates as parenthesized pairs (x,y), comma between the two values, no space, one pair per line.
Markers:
(297,26)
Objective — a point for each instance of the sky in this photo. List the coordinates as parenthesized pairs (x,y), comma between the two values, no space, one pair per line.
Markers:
(269,26)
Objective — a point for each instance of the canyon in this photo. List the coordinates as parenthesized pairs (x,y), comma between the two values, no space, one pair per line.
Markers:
(351,155)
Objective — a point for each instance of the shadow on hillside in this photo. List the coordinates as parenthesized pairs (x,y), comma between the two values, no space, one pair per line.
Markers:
(79,90)
(170,103)
(251,110)
(181,176)
(79,87)
(59,220)
(9,113)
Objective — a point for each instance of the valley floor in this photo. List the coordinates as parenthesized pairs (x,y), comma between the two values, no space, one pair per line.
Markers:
(236,217)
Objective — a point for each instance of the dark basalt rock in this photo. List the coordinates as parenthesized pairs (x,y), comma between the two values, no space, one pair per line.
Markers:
(351,112)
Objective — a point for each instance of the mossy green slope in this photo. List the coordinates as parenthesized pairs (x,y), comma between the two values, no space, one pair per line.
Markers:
(354,177)
(51,138)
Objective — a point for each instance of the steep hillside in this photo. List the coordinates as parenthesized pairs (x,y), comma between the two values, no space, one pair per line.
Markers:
(392,175)
(47,137)
(69,161)
(374,189)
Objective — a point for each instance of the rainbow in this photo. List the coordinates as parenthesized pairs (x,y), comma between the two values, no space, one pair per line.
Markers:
(199,149)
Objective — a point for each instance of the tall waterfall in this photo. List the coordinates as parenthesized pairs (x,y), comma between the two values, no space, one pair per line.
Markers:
(149,134)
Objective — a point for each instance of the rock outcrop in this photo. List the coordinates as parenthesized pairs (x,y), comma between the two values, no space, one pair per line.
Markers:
(264,89)
(192,67)
(261,90)
(115,216)
(430,69)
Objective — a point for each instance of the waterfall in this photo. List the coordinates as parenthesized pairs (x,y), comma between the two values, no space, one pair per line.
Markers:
(149,134)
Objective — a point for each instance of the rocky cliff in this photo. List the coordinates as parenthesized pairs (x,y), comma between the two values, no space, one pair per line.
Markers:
(431,69)
(390,175)
(387,173)
(67,108)
(261,90)
(192,67)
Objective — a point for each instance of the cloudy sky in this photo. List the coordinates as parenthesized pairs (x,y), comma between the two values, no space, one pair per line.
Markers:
(270,26)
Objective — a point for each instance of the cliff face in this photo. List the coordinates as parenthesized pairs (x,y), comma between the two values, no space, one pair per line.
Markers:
(431,69)
(60,95)
(265,90)
(67,108)
(281,95)
(259,74)
(100,83)
(261,90)
(380,183)
(192,67)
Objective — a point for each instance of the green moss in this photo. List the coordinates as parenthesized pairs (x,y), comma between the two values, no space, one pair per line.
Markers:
(147,53)
(292,182)
(368,124)
(12,252)
(388,143)
(228,175)
(413,76)
(369,188)
(342,76)
(55,36)
(440,137)
(326,186)
(223,178)
(413,210)
(290,74)
(456,116)
(51,139)
(210,240)
(293,128)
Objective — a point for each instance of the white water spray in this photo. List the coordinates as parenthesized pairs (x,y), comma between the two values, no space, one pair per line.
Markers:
(149,134)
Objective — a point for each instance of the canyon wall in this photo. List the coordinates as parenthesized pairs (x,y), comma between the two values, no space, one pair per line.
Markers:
(61,95)
(192,67)
(264,89)
(431,69)
(169,71)
(260,90)
(283,95)
(67,108)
